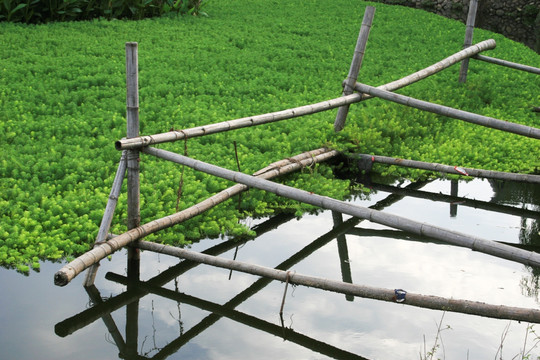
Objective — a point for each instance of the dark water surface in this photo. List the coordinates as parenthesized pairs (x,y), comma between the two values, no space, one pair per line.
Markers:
(210,313)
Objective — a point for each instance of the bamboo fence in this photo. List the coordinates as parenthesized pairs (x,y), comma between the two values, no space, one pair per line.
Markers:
(398,222)
(463,171)
(99,252)
(486,121)
(389,295)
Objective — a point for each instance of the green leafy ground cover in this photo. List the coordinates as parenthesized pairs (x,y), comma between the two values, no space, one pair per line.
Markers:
(62,106)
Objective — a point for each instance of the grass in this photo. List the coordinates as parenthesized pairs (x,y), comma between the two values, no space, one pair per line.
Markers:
(62,106)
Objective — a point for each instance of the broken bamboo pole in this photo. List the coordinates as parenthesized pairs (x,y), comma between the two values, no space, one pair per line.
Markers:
(108,214)
(489,174)
(509,64)
(75,267)
(356,64)
(389,295)
(473,118)
(394,221)
(471,17)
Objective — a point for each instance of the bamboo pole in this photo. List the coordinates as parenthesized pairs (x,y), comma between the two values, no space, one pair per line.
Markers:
(508,64)
(175,135)
(489,174)
(356,64)
(471,16)
(133,177)
(75,267)
(451,112)
(398,222)
(108,215)
(343,253)
(389,295)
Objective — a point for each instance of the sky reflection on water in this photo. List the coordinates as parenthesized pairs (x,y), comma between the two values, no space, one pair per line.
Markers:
(30,307)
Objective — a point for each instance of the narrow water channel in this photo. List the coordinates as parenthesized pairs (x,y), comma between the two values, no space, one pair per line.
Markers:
(201,312)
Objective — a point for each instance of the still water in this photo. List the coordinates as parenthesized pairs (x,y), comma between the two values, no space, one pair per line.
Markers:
(203,312)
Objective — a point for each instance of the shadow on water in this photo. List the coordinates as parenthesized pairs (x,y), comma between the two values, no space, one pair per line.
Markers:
(515,199)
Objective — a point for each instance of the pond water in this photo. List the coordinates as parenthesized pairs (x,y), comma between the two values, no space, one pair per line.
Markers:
(203,312)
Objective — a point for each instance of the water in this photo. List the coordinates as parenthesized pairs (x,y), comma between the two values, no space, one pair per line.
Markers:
(215,314)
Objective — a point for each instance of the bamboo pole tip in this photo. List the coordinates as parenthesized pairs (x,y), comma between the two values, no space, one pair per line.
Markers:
(118,145)
(132,43)
(61,278)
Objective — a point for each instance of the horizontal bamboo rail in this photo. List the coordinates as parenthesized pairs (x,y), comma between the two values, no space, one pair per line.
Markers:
(451,112)
(509,64)
(236,124)
(429,302)
(394,221)
(75,267)
(489,174)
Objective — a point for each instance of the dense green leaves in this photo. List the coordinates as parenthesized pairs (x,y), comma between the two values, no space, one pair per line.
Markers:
(62,106)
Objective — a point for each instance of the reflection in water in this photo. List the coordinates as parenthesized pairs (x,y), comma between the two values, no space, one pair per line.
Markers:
(131,348)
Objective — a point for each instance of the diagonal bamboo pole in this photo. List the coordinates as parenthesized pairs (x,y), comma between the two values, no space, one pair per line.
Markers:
(356,64)
(75,267)
(108,214)
(370,292)
(394,221)
(508,64)
(490,174)
(471,17)
(451,112)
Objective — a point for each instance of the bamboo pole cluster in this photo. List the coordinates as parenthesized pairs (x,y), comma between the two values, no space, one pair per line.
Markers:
(389,295)
(452,237)
(102,250)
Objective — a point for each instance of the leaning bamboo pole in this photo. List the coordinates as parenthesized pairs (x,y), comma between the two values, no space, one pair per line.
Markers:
(370,292)
(108,215)
(508,64)
(356,63)
(75,267)
(394,221)
(486,121)
(489,174)
(471,16)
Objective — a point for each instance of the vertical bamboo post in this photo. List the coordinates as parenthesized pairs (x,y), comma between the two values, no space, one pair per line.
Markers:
(471,16)
(133,181)
(453,192)
(356,63)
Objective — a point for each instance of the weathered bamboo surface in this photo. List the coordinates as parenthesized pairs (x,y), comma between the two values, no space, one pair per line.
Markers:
(75,267)
(489,174)
(108,214)
(508,64)
(486,121)
(356,64)
(394,221)
(429,302)
(469,30)
(236,124)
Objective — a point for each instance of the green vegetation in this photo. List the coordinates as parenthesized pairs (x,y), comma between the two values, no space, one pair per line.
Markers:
(36,11)
(62,106)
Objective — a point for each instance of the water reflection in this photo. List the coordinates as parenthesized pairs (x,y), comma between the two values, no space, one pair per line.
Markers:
(131,347)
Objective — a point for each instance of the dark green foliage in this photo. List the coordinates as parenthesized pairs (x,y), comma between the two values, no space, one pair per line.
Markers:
(37,11)
(62,106)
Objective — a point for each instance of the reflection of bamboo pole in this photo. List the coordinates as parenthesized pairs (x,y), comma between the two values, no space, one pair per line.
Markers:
(519,129)
(508,64)
(69,271)
(108,214)
(452,169)
(249,320)
(461,201)
(394,221)
(343,253)
(471,16)
(430,302)
(356,63)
